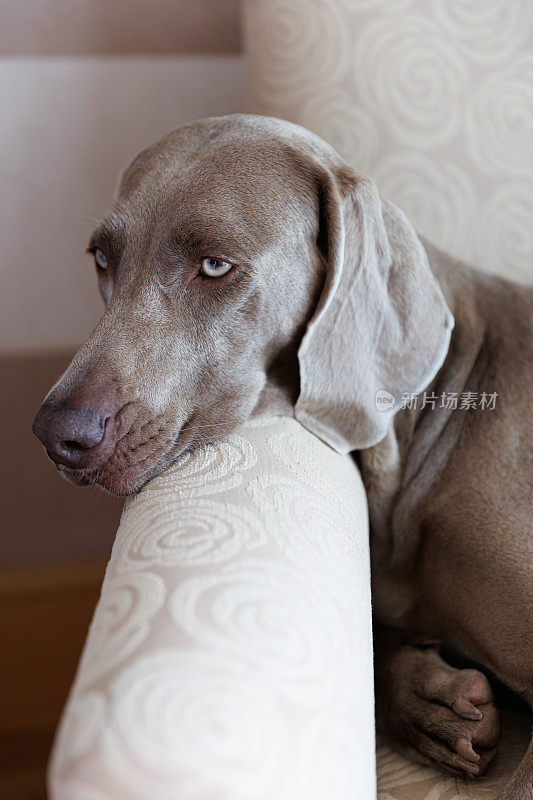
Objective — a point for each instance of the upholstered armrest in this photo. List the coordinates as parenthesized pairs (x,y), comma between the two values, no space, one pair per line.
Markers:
(230,654)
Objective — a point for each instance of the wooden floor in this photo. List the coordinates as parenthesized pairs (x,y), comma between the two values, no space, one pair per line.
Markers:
(44,616)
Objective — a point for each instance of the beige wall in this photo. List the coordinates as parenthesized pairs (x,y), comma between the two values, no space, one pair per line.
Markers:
(70,123)
(74,27)
(68,126)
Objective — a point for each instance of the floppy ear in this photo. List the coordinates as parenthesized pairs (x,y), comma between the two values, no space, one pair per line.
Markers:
(381,327)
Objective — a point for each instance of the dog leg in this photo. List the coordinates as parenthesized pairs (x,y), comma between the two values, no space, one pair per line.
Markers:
(438,714)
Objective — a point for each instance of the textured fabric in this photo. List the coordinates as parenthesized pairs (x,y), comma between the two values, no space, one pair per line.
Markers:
(431,98)
(230,655)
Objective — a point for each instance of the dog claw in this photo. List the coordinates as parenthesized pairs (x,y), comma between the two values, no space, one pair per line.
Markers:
(465,750)
(470,768)
(467,710)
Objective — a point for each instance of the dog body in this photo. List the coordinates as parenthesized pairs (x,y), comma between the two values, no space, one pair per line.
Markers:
(463,482)
(450,503)
(246,269)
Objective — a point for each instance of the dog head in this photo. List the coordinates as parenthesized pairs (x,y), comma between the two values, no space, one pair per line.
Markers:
(241,257)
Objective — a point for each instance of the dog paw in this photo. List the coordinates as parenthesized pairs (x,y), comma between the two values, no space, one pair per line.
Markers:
(442,715)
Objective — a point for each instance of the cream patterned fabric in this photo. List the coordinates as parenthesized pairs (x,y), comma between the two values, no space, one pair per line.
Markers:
(230,655)
(431,98)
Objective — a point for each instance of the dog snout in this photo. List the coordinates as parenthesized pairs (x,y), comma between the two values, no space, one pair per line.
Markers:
(71,434)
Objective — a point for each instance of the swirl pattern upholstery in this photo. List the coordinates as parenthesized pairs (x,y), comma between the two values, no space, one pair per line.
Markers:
(433,99)
(230,654)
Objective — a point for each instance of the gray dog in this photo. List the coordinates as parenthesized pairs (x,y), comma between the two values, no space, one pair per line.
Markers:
(245,268)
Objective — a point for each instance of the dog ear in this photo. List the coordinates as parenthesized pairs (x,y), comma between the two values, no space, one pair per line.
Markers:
(381,327)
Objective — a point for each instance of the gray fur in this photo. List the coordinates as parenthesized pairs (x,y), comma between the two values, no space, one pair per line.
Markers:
(176,362)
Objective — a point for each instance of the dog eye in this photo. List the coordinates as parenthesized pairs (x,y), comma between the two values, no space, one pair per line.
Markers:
(215,267)
(100,258)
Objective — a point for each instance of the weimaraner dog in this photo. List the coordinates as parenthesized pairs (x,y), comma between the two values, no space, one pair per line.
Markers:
(247,269)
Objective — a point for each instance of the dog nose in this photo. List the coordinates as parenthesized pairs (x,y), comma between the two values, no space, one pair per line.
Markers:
(69,433)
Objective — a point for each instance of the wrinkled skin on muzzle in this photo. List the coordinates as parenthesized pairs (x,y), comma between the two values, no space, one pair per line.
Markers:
(181,357)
